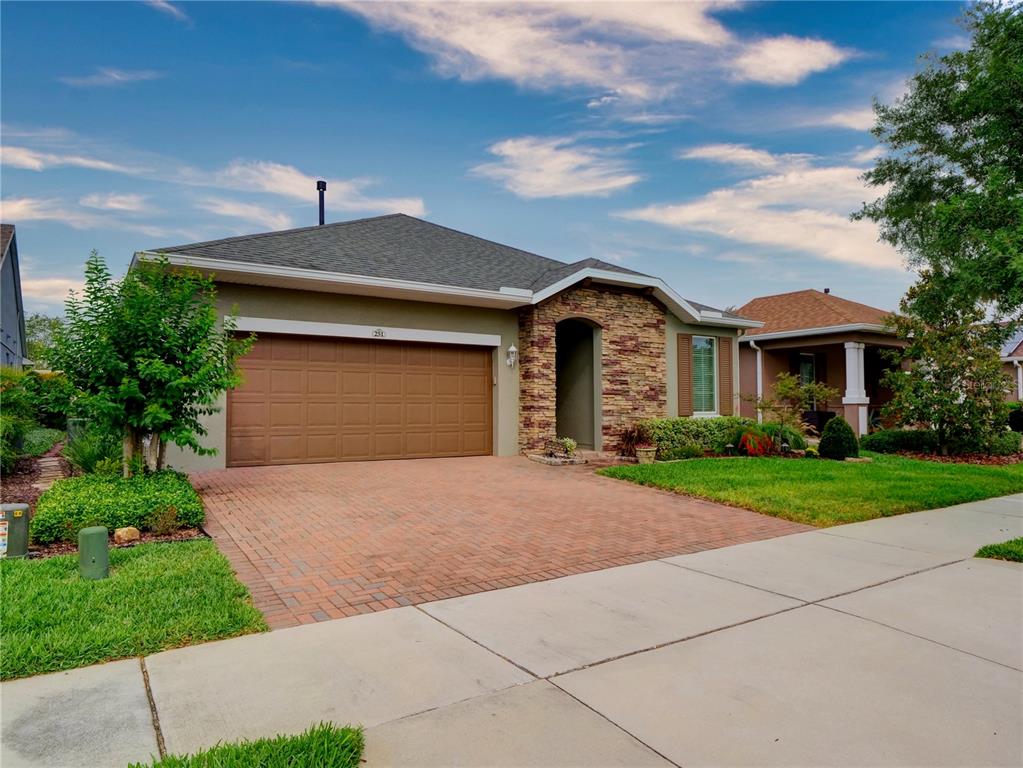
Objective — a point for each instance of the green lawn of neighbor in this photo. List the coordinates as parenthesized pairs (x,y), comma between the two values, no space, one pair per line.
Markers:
(822,492)
(158,596)
(323,746)
(1007,550)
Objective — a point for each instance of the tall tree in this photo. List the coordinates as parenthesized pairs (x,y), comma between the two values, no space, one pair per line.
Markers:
(39,331)
(953,174)
(149,355)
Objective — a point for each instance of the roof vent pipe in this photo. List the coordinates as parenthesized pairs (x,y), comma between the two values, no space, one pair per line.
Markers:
(826,290)
(321,187)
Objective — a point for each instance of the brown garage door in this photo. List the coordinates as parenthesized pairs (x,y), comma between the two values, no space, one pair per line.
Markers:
(307,399)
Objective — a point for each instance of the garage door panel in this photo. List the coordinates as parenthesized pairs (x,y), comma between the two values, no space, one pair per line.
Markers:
(322,382)
(313,399)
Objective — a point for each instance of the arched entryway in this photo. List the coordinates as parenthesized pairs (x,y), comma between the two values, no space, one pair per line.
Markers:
(577,370)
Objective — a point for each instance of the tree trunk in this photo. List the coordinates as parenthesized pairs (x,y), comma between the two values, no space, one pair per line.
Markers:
(161,457)
(129,450)
(152,452)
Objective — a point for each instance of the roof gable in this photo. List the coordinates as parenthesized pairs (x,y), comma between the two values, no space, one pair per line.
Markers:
(809,309)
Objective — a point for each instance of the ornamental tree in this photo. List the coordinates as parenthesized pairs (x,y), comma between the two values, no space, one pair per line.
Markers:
(953,174)
(148,355)
(949,377)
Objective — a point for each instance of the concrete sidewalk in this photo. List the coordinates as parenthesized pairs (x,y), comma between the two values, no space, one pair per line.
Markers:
(878,643)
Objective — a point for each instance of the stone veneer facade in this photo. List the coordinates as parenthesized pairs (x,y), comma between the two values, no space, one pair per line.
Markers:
(633,364)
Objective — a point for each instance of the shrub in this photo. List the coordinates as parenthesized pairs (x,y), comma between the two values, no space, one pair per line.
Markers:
(782,433)
(12,433)
(671,435)
(39,440)
(1005,443)
(14,395)
(633,436)
(838,441)
(754,442)
(92,449)
(51,395)
(895,440)
(811,453)
(688,451)
(115,502)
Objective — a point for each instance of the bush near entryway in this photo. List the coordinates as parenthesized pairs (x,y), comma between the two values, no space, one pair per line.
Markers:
(674,436)
(115,502)
(838,441)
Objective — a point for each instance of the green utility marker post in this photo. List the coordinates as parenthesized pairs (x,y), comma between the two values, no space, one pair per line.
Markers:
(93,553)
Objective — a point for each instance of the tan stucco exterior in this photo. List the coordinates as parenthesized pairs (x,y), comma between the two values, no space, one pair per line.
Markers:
(632,380)
(277,303)
(674,327)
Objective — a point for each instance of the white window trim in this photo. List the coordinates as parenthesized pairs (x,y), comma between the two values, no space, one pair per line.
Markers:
(716,389)
(380,333)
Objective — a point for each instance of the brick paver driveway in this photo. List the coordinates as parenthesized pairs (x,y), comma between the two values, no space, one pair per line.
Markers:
(321,541)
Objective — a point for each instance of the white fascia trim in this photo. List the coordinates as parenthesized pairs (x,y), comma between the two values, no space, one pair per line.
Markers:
(674,302)
(346,330)
(868,327)
(514,297)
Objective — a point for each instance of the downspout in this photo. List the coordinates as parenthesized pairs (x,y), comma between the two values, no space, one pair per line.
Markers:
(760,377)
(1019,379)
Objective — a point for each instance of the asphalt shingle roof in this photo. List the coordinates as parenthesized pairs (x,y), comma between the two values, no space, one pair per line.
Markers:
(801,310)
(399,247)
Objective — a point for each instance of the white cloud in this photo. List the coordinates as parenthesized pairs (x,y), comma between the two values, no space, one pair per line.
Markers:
(109,76)
(532,167)
(289,181)
(116,202)
(170,9)
(742,156)
(19,209)
(30,159)
(49,292)
(858,119)
(802,208)
(254,214)
(868,156)
(787,60)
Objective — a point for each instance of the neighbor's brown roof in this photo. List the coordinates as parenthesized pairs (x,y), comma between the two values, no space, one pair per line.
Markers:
(807,309)
(6,235)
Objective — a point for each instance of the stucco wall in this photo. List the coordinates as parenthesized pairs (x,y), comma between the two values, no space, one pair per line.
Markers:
(262,302)
(632,368)
(674,328)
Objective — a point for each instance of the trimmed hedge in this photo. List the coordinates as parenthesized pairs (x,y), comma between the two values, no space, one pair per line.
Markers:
(838,441)
(115,502)
(674,436)
(895,440)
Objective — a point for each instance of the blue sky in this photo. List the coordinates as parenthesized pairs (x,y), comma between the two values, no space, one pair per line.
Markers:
(717,146)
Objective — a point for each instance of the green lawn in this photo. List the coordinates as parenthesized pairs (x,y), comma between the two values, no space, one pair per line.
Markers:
(1007,550)
(158,596)
(323,746)
(821,492)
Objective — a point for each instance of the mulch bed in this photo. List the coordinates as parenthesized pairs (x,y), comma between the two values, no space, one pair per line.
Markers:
(17,487)
(70,547)
(966,458)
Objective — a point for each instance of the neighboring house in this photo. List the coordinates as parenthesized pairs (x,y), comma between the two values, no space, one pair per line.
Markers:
(392,337)
(818,337)
(12,311)
(1012,359)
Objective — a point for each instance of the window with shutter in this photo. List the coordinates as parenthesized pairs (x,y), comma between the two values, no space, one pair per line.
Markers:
(704,374)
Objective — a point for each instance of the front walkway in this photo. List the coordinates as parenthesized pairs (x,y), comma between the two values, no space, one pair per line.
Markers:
(879,643)
(323,541)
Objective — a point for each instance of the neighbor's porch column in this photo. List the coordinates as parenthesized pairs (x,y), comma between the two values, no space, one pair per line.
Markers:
(855,399)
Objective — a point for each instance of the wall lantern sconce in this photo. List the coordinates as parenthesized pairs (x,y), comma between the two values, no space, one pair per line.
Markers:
(513,356)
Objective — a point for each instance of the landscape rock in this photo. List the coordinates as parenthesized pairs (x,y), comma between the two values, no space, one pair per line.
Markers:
(126,535)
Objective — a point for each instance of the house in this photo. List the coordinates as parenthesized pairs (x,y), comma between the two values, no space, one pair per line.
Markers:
(819,337)
(392,337)
(12,310)
(1012,362)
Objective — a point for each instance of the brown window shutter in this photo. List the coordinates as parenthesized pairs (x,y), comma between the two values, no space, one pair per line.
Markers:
(725,375)
(685,374)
